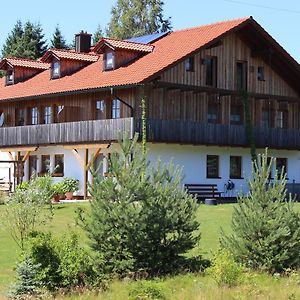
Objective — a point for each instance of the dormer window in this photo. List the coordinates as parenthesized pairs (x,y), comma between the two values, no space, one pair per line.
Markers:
(109,60)
(55,69)
(9,77)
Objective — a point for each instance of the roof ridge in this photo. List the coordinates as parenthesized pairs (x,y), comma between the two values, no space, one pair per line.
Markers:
(213,24)
(25,59)
(72,51)
(129,42)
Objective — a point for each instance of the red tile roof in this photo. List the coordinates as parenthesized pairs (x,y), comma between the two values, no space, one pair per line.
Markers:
(69,54)
(167,51)
(26,63)
(118,44)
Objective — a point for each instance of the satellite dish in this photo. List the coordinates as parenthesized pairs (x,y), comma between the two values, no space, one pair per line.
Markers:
(1,119)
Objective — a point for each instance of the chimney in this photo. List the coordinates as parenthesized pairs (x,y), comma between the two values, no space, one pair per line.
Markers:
(83,42)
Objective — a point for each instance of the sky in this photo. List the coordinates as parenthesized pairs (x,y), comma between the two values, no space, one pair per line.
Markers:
(279,18)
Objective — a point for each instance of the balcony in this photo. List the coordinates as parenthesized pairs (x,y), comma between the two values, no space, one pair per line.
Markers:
(65,133)
(188,132)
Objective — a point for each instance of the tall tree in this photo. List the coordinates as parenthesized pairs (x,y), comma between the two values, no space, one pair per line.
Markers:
(58,41)
(26,41)
(97,35)
(130,18)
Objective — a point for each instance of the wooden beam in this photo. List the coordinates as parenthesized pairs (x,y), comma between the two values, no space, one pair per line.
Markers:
(76,154)
(26,156)
(87,146)
(19,149)
(92,160)
(85,174)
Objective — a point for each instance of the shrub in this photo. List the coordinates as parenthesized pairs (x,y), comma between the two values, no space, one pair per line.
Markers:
(58,189)
(141,218)
(224,270)
(144,290)
(70,185)
(266,227)
(62,262)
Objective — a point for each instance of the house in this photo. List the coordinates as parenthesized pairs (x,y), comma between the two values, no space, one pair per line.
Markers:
(64,112)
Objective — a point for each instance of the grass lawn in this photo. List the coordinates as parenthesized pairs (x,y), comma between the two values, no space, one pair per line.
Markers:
(187,287)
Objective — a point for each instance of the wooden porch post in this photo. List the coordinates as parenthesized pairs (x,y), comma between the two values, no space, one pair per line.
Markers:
(85,170)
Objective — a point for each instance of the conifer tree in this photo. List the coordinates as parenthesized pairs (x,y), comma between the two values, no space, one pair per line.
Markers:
(97,35)
(58,41)
(131,18)
(266,227)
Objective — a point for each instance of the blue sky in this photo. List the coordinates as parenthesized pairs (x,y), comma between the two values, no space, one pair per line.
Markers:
(281,19)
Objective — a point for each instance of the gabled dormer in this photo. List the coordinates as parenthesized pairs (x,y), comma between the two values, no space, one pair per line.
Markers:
(20,69)
(66,62)
(118,53)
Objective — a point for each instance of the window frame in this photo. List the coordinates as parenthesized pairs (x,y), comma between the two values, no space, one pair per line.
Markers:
(279,168)
(100,113)
(55,69)
(20,120)
(243,85)
(283,120)
(216,167)
(238,175)
(10,76)
(216,106)
(32,160)
(47,117)
(211,71)
(56,163)
(34,115)
(44,158)
(116,109)
(241,111)
(189,64)
(261,73)
(111,65)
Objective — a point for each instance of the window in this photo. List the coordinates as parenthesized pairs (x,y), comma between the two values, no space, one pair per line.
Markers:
(20,117)
(281,119)
(55,69)
(281,165)
(265,121)
(189,64)
(212,166)
(59,113)
(213,113)
(211,71)
(116,109)
(100,110)
(261,73)
(34,116)
(32,165)
(235,167)
(45,162)
(109,60)
(9,76)
(58,165)
(47,115)
(241,76)
(236,115)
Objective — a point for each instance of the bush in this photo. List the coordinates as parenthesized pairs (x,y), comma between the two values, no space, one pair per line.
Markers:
(69,185)
(266,227)
(62,262)
(141,218)
(224,270)
(144,290)
(58,189)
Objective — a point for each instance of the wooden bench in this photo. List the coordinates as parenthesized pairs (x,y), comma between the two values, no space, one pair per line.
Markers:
(5,187)
(203,191)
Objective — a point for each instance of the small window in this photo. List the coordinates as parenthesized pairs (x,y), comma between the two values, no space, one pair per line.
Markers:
(100,110)
(56,69)
(213,113)
(58,165)
(241,75)
(116,109)
(281,165)
(45,164)
(20,117)
(212,166)
(235,167)
(265,121)
(236,113)
(32,166)
(9,76)
(211,71)
(47,115)
(34,116)
(189,64)
(109,60)
(261,73)
(281,119)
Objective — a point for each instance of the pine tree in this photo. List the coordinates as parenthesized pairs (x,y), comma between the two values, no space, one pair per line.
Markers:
(97,35)
(266,227)
(58,41)
(25,41)
(140,221)
(131,18)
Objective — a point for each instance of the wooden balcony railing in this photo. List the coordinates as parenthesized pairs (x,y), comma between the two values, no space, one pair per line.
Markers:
(66,133)
(188,132)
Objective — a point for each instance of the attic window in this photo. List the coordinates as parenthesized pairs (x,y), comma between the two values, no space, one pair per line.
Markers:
(9,77)
(261,73)
(56,69)
(189,64)
(109,60)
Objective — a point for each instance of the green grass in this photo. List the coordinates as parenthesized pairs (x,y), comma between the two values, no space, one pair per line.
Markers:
(187,287)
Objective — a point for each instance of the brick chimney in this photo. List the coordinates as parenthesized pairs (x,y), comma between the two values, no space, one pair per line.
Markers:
(83,42)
